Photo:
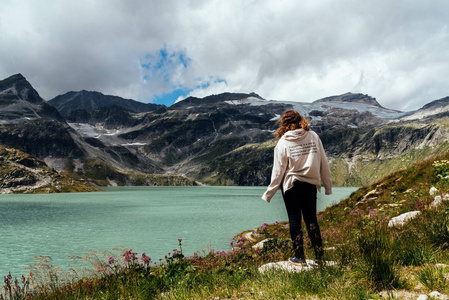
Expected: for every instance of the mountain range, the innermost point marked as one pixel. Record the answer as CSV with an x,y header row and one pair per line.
x,y
223,139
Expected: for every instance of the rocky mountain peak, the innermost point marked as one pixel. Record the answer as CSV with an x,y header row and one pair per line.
x,y
17,87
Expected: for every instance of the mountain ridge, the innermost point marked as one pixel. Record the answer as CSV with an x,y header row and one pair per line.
x,y
90,101
221,139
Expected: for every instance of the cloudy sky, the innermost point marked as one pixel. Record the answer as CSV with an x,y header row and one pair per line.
x,y
161,51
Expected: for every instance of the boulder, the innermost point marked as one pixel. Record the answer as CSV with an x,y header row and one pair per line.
x,y
433,190
436,202
259,245
289,267
438,295
402,219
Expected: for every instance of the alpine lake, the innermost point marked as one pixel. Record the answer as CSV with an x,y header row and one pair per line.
x,y
146,219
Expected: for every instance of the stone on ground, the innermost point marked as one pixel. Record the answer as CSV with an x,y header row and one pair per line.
x,y
289,267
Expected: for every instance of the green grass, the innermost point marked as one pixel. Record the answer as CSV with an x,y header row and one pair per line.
x,y
371,258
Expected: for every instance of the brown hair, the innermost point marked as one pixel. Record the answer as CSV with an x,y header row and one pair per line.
x,y
291,120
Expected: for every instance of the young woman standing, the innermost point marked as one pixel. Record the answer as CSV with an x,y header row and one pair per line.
x,y
299,166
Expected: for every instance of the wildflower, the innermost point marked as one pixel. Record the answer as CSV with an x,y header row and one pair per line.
x,y
231,244
111,260
129,256
355,212
372,213
180,240
102,268
264,226
239,244
145,259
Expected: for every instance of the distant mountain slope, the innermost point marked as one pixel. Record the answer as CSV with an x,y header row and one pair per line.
x,y
91,101
30,124
435,109
22,173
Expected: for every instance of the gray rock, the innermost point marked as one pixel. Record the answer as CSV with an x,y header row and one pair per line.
x,y
289,267
260,244
438,295
401,220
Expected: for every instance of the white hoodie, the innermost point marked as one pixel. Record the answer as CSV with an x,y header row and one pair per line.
x,y
299,155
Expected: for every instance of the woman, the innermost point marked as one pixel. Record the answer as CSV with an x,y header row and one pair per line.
x,y
299,164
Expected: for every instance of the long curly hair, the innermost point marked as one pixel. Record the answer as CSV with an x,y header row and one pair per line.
x,y
291,120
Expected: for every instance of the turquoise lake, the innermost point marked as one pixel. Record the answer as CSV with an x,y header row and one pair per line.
x,y
149,219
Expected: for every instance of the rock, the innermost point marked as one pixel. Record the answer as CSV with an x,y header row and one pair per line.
x,y
289,267
423,297
433,190
401,220
260,244
249,236
438,295
437,202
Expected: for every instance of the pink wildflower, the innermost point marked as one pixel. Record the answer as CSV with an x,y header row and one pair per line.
x,y
129,256
101,268
111,260
145,259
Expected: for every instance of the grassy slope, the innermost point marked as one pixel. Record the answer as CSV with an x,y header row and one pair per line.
x,y
373,260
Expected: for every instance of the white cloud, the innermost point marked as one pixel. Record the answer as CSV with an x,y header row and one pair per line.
x,y
396,51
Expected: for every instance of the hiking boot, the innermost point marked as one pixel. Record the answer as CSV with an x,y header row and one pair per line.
x,y
301,262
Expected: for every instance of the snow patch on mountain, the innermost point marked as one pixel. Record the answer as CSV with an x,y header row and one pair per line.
x,y
304,108
87,130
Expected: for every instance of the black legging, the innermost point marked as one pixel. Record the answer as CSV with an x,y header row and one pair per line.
x,y
300,202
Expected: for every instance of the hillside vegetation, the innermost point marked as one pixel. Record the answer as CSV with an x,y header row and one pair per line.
x,y
373,260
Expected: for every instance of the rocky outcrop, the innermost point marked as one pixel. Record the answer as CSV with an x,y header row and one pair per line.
x,y
22,173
